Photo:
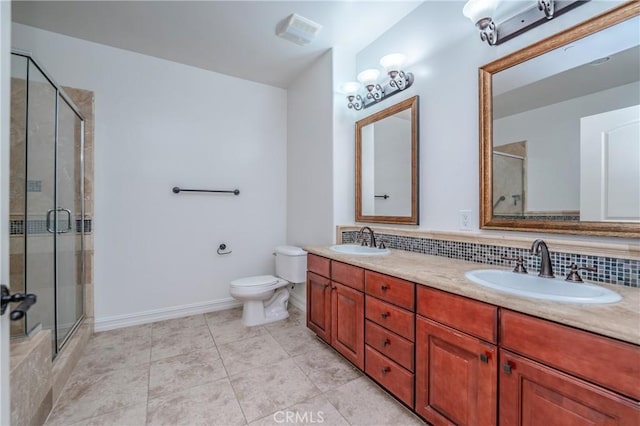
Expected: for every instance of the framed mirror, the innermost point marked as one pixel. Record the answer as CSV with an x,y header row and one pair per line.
x,y
560,131
387,165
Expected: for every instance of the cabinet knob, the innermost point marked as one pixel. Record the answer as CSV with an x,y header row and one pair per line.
x,y
384,287
508,366
386,342
485,357
384,315
385,370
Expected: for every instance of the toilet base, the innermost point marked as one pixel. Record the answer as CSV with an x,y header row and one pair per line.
x,y
258,312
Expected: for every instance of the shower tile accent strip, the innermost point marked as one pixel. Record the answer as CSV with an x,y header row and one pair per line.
x,y
610,270
38,226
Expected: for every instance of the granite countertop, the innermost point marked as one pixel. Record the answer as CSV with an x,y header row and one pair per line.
x,y
619,320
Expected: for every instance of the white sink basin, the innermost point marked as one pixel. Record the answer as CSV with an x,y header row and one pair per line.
x,y
358,250
555,289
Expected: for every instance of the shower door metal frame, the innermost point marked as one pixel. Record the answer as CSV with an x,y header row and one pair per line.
x,y
60,93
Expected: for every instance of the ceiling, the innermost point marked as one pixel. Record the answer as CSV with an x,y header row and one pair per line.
x,y
568,72
236,38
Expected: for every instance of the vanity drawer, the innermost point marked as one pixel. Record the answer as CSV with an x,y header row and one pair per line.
x,y
390,317
391,289
473,317
318,264
602,360
389,374
348,275
390,344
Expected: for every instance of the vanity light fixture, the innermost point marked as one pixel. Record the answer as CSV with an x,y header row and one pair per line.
x,y
485,13
369,91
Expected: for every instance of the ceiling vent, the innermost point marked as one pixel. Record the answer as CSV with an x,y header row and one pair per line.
x,y
298,29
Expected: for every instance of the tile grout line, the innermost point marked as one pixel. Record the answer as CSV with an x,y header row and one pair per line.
x,y
233,389
146,411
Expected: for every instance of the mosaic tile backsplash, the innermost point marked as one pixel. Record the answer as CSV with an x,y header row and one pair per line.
x,y
610,270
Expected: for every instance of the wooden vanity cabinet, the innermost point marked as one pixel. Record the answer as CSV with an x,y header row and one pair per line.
x,y
537,395
347,323
335,306
390,334
319,296
458,361
554,374
456,371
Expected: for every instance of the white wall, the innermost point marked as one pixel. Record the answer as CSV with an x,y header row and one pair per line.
x,y
393,166
310,156
320,153
447,83
552,149
161,124
344,68
309,159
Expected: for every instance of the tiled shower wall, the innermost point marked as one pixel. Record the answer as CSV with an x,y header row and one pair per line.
x,y
610,270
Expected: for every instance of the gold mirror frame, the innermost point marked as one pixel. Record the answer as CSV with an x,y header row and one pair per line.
x,y
487,220
412,104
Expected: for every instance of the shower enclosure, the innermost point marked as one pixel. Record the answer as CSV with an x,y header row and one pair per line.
x,y
46,201
508,184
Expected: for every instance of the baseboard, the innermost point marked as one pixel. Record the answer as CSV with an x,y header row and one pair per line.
x,y
297,301
138,318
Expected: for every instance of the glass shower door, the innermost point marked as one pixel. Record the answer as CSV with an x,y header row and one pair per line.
x,y
40,193
69,269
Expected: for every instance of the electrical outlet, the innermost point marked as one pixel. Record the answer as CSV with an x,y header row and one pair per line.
x,y
464,220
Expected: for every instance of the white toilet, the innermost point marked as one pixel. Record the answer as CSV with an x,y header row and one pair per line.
x,y
265,297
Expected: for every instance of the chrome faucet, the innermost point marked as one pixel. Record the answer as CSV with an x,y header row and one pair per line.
x,y
372,240
540,248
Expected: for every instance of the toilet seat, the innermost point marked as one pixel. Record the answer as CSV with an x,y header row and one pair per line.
x,y
258,282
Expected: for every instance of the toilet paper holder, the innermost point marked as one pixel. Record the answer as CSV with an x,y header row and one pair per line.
x,y
222,249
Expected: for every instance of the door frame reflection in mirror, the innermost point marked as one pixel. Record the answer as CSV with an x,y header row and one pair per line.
x,y
487,219
410,104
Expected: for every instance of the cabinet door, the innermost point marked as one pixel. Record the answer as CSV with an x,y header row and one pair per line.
x,y
532,394
347,323
319,305
456,376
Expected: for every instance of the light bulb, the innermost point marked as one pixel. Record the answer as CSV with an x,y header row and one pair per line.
x,y
350,87
477,10
369,77
393,62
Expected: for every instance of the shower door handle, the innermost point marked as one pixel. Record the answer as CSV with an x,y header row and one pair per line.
x,y
68,212
49,229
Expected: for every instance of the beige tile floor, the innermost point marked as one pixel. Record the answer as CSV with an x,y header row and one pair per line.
x,y
210,369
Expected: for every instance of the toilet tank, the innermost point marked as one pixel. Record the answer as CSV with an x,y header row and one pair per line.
x,y
291,264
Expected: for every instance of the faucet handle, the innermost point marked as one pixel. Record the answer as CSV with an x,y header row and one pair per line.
x,y
382,245
519,268
573,275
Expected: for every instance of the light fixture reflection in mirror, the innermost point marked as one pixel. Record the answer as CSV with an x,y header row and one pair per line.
x,y
560,124
387,165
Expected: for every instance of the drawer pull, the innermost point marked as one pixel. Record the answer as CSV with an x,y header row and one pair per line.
x,y
385,315
385,370
384,287
508,366
386,342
